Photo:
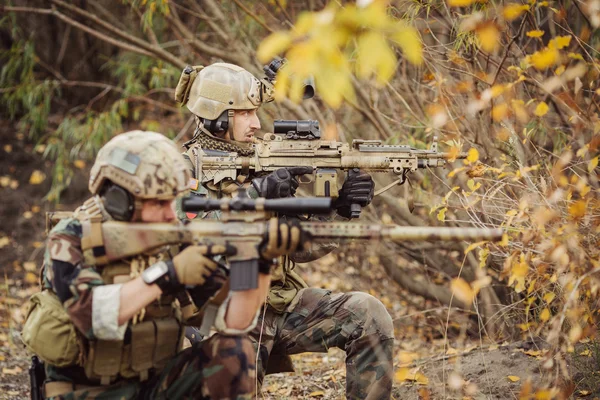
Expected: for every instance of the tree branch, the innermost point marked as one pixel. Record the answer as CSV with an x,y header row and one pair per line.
x,y
157,51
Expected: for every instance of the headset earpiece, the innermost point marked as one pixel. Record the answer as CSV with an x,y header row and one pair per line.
x,y
118,202
217,126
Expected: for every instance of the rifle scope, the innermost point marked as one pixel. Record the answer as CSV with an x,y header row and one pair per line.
x,y
297,129
288,206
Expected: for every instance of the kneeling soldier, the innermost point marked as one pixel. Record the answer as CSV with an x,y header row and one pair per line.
x,y
114,329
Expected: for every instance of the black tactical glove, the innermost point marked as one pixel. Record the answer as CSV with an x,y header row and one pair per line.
x,y
281,183
357,192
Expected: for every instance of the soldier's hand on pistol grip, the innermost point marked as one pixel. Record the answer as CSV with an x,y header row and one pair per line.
x,y
281,183
194,266
358,188
283,237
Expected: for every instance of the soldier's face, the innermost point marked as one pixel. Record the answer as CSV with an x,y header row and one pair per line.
x,y
245,124
158,210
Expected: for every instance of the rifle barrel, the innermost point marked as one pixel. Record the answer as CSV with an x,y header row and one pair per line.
x,y
349,230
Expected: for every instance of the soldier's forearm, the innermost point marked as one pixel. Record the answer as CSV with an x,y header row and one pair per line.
x,y
135,295
243,305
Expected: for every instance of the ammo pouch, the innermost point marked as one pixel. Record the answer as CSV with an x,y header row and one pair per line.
x,y
48,331
153,344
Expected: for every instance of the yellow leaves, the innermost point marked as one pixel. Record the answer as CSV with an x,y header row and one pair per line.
x,y
411,375
541,109
543,59
575,333
473,246
575,56
37,177
548,297
559,42
441,215
317,393
460,3
545,315
30,278
535,33
472,156
462,290
4,241
533,353
513,11
577,209
472,185
592,164
513,378
374,56
407,357
483,256
518,273
29,266
409,42
11,371
332,43
79,164
488,36
586,353
476,171
499,112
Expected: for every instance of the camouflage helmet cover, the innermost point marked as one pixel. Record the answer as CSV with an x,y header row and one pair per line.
x,y
220,87
147,164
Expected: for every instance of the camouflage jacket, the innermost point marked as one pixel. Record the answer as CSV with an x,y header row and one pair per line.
x,y
68,272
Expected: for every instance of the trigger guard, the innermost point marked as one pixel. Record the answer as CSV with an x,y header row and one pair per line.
x,y
306,178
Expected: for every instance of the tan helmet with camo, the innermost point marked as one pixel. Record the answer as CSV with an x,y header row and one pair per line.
x,y
146,165
213,93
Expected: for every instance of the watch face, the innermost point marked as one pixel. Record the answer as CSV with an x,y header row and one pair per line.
x,y
154,272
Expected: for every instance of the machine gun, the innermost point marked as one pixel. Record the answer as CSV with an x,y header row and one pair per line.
x,y
299,144
243,227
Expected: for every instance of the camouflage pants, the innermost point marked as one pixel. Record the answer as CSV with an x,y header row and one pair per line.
x,y
221,367
317,320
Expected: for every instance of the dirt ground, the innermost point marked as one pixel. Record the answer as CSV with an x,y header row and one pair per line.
x,y
465,368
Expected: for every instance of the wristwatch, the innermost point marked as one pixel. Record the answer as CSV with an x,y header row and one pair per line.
x,y
162,274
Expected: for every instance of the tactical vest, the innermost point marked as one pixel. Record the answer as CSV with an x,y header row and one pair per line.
x,y
155,334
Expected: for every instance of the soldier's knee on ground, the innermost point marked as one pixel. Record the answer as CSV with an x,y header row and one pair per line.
x,y
232,366
375,318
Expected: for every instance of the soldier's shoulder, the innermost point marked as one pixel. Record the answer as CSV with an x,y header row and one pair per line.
x,y
67,226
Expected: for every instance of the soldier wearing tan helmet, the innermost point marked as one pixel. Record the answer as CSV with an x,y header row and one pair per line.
x,y
115,328
224,99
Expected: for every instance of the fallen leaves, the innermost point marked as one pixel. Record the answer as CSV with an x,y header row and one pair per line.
x,y
513,378
411,375
37,177
11,371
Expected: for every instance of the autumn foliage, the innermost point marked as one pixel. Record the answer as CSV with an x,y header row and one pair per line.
x,y
513,83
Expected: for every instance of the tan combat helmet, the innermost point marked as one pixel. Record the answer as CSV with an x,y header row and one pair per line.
x,y
146,164
212,94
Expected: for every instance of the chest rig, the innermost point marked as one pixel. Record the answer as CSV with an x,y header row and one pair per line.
x,y
153,336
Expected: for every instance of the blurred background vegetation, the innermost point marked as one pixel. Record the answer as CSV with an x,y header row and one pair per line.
x,y
517,83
